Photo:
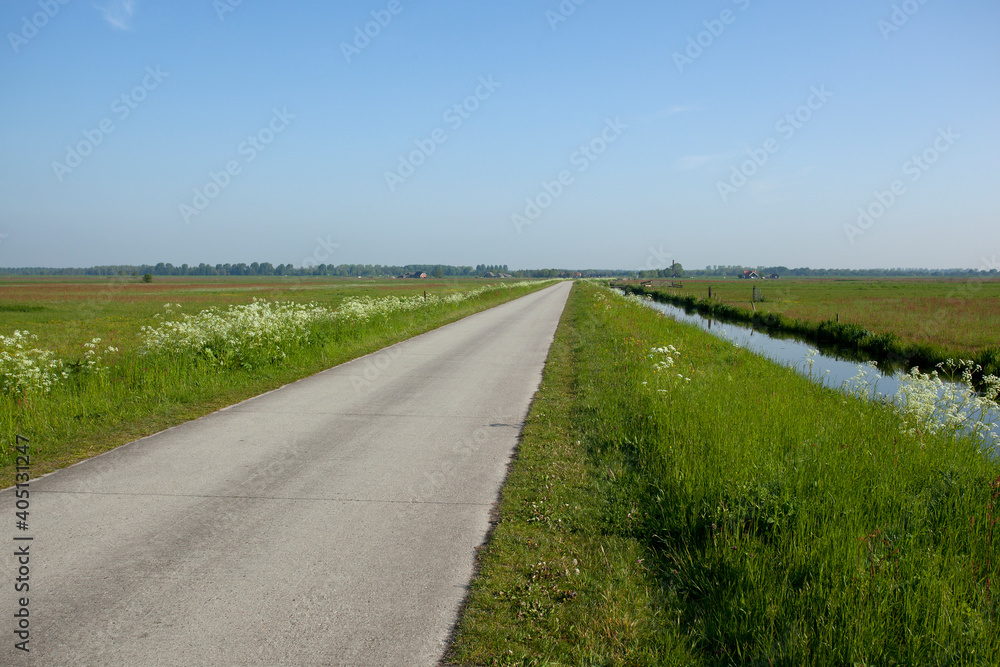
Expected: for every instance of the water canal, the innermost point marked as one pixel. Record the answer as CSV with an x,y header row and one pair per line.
x,y
826,366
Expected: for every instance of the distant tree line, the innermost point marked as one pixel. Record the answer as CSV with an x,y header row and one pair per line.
x,y
733,271
263,269
268,269
444,271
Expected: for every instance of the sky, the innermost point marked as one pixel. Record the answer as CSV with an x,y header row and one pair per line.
x,y
572,133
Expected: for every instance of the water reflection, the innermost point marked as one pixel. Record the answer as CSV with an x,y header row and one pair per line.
x,y
828,366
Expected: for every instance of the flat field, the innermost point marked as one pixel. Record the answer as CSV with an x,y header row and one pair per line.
x,y
75,396
958,316
677,500
67,312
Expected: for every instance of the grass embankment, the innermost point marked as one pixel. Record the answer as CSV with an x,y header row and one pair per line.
x,y
67,312
744,516
142,392
916,327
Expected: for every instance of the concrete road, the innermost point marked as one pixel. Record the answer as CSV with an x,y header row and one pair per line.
x,y
330,522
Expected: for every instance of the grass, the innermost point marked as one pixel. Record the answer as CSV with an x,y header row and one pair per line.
x,y
142,393
743,516
67,312
955,314
897,322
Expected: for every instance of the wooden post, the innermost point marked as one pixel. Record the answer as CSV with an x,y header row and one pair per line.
x,y
425,295
838,318
709,291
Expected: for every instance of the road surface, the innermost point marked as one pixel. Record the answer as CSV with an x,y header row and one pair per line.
x,y
330,522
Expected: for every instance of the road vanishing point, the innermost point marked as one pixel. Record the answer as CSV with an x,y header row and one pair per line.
x,y
333,521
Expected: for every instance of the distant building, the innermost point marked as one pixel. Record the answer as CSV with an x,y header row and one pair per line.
x,y
750,275
773,276
418,274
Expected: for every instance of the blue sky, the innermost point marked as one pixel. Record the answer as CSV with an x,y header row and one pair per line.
x,y
615,135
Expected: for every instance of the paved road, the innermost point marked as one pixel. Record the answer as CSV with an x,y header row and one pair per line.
x,y
330,522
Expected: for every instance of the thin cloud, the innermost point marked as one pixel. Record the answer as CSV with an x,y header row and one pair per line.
x,y
695,162
668,112
119,13
692,162
681,108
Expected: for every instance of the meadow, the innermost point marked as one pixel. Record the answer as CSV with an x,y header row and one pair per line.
x,y
89,364
917,321
678,500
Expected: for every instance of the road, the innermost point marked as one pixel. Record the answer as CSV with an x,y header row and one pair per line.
x,y
333,521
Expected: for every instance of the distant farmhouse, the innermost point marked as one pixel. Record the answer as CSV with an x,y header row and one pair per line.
x,y
753,275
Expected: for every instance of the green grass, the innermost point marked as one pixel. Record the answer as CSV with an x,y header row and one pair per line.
x,y
955,315
144,393
66,312
746,516
898,323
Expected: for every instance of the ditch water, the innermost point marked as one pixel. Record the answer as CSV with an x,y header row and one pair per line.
x,y
826,367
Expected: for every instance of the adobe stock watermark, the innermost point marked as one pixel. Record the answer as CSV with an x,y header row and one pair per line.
x,y
914,169
223,7
562,13
900,16
322,254
932,324
122,107
714,28
658,260
30,25
249,149
365,35
454,116
582,159
374,365
457,457
786,126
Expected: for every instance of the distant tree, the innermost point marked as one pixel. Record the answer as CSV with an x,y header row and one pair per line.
x,y
678,270
148,278
438,272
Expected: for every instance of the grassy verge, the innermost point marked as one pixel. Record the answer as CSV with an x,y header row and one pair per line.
x,y
141,394
724,510
885,347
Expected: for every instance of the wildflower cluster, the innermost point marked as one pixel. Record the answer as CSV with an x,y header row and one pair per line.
x,y
932,405
636,298
810,362
864,384
92,361
261,331
27,369
264,331
666,357
362,309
